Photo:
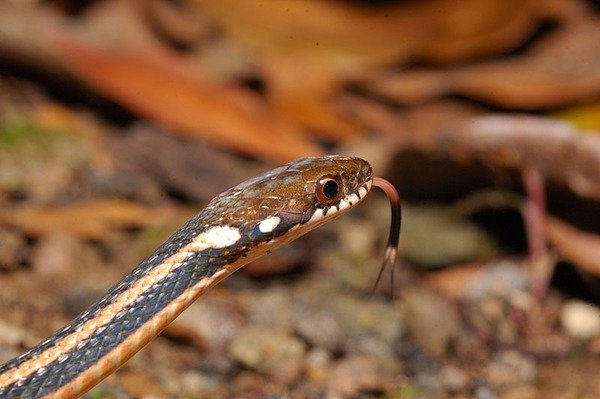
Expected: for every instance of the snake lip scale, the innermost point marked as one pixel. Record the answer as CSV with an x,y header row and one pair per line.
x,y
236,227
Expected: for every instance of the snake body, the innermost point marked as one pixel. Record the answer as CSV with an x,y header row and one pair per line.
x,y
236,227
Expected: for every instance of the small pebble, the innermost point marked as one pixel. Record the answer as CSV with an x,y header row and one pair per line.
x,y
494,297
510,369
499,279
195,382
453,379
318,363
141,385
209,325
432,321
318,325
353,374
525,392
337,321
580,319
273,308
483,392
275,353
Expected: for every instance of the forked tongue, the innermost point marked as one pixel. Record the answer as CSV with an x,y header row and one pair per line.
x,y
391,249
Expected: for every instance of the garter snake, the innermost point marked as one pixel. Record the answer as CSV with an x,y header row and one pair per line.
x,y
236,227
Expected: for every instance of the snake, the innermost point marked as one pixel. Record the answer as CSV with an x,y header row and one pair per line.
x,y
236,227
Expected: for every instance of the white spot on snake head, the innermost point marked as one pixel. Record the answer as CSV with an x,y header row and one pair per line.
x,y
216,237
268,225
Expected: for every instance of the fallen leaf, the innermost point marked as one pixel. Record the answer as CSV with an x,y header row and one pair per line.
x,y
30,46
189,168
561,69
94,219
307,49
148,78
556,148
451,281
176,22
347,34
583,116
580,248
163,91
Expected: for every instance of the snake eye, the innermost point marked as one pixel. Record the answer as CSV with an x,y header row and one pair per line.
x,y
329,190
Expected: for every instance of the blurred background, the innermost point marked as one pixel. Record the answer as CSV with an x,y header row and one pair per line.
x,y
121,119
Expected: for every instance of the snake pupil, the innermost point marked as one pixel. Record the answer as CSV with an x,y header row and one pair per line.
x,y
331,189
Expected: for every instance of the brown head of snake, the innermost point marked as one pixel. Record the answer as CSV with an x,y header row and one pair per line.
x,y
236,227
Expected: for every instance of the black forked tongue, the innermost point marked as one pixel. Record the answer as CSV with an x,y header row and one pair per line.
x,y
391,249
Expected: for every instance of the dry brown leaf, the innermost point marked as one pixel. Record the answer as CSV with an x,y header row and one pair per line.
x,y
563,68
452,281
576,246
188,168
28,31
148,78
120,24
559,150
24,36
176,23
163,91
308,48
347,34
303,91
94,219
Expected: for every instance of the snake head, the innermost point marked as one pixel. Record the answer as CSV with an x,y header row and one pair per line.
x,y
289,201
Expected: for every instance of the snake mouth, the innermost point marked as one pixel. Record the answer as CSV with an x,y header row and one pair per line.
x,y
352,198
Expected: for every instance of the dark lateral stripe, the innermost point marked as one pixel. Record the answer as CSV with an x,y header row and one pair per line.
x,y
62,371
171,247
